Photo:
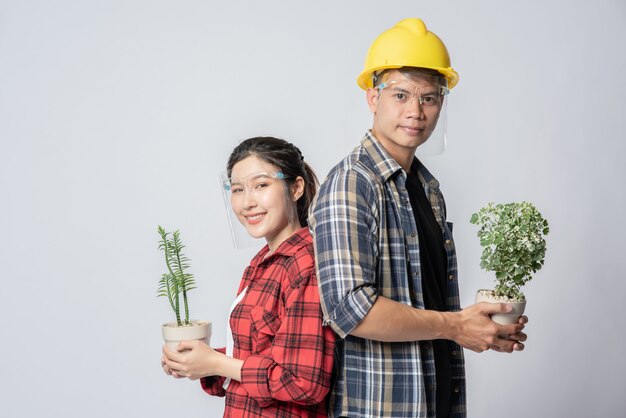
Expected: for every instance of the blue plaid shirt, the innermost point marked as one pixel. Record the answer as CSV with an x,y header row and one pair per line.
x,y
366,245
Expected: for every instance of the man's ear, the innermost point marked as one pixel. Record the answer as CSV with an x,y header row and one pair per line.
x,y
297,188
373,96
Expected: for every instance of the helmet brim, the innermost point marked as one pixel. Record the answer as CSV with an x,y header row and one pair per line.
x,y
364,80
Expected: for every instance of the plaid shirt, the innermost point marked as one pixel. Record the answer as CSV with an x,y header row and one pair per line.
x,y
278,333
366,245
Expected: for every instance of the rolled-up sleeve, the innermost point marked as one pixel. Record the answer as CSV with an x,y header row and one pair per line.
x,y
213,385
343,221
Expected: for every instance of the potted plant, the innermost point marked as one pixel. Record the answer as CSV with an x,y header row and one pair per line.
x,y
512,237
175,284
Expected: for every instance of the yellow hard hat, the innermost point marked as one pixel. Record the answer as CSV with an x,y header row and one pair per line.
x,y
407,44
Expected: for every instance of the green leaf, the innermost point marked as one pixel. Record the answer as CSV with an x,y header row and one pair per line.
x,y
177,280
511,235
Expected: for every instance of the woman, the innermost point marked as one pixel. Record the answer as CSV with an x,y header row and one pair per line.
x,y
281,359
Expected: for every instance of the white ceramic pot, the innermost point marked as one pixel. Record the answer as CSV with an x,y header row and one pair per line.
x,y
486,295
198,330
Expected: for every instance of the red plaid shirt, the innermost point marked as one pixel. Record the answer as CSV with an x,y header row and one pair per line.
x,y
277,332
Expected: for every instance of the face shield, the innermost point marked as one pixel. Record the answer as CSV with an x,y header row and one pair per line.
x,y
247,200
430,93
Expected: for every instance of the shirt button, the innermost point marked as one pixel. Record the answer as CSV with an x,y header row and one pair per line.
x,y
454,352
451,277
448,242
413,234
415,274
456,390
432,387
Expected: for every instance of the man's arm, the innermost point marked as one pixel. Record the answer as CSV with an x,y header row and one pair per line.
x,y
471,328
344,221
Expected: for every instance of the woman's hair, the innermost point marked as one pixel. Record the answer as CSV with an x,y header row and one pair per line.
x,y
287,158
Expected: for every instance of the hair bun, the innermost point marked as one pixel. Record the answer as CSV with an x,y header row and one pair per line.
x,y
298,151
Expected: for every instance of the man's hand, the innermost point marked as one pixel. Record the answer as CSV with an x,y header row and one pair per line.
x,y
474,329
519,337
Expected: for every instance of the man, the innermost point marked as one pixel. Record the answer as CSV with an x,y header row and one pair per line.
x,y
384,252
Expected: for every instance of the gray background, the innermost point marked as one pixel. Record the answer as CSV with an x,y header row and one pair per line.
x,y
116,116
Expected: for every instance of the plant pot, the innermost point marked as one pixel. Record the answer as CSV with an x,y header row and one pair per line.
x,y
173,334
487,295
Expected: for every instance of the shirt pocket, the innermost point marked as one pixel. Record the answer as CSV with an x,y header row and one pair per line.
x,y
263,327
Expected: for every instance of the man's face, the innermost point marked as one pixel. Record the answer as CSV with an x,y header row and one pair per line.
x,y
406,110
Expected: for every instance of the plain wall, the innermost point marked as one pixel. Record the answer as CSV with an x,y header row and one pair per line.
x,y
117,116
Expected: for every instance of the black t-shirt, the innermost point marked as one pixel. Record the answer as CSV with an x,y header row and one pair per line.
x,y
434,266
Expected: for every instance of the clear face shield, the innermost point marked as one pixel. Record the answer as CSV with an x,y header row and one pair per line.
x,y
430,92
247,200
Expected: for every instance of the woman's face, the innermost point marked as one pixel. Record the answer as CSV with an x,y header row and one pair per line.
x,y
260,202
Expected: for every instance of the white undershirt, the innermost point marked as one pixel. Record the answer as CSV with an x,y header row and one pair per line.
x,y
230,343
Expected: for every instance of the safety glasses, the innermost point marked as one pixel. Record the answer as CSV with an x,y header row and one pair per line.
x,y
251,184
403,92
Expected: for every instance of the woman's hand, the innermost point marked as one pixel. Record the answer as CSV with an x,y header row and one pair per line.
x,y
193,360
165,367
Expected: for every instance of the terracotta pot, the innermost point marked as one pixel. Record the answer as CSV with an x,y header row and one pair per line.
x,y
198,330
487,295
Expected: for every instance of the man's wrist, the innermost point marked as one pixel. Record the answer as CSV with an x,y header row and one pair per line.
x,y
449,326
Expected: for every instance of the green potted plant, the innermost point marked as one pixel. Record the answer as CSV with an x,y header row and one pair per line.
x,y
174,285
512,237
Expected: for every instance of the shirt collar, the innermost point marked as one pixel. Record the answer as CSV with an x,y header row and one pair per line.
x,y
287,248
387,166
426,178
383,162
